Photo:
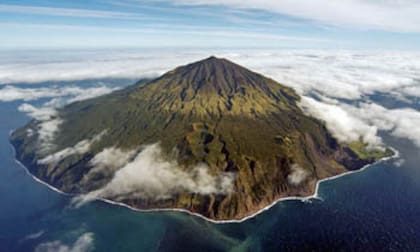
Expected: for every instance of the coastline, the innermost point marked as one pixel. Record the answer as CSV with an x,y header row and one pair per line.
x,y
303,199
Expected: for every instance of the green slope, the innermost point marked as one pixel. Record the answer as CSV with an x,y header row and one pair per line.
x,y
211,111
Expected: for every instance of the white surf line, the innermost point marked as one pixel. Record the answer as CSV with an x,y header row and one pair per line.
x,y
304,199
33,176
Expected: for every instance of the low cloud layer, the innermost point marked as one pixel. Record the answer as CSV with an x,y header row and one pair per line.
x,y
75,93
84,243
150,176
41,66
47,126
297,175
80,148
112,158
46,115
403,123
340,74
108,161
363,120
40,114
345,126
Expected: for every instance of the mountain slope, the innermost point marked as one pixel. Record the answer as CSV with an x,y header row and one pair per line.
x,y
214,113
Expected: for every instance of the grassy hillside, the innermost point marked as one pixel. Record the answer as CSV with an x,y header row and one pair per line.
x,y
213,112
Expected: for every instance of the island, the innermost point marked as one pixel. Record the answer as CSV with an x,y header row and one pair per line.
x,y
211,137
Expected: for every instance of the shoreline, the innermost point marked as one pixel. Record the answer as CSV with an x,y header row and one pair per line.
x,y
303,199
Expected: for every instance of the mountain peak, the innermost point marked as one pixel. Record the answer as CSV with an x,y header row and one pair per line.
x,y
214,86
214,74
214,62
213,59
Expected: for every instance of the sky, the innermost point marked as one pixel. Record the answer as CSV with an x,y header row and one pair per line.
x,y
313,24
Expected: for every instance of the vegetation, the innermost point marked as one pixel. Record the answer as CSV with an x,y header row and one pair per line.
x,y
212,111
365,152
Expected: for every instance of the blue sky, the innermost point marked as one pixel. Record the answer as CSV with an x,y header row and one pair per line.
x,y
344,24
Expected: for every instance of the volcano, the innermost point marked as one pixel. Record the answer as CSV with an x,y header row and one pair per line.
x,y
210,137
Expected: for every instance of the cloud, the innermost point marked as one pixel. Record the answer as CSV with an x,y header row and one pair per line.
x,y
67,12
108,161
80,148
345,126
40,114
297,175
13,93
81,65
47,116
413,91
81,94
362,120
402,123
84,243
47,126
150,176
400,16
340,74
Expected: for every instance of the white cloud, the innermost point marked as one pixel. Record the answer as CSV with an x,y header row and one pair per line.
x,y
401,16
341,74
150,176
13,93
75,65
403,123
81,94
47,131
40,114
108,161
344,126
411,90
47,117
84,243
80,148
351,75
297,175
66,12
47,126
363,120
